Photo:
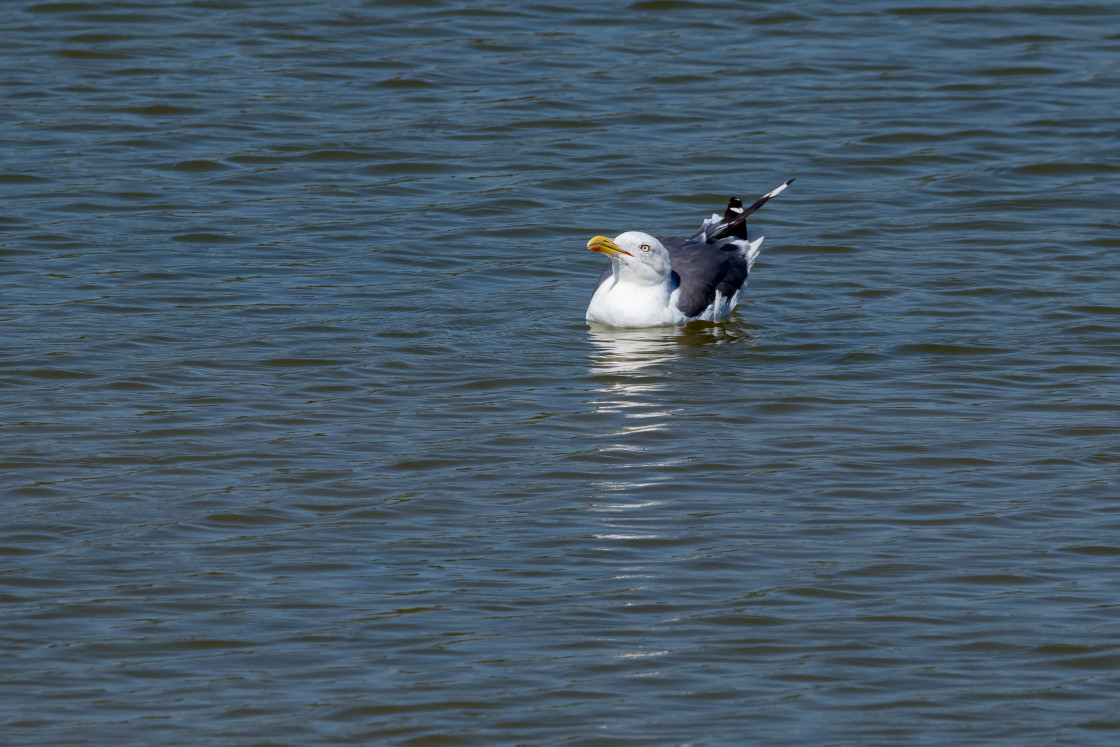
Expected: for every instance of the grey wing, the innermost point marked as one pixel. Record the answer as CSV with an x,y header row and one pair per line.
x,y
702,270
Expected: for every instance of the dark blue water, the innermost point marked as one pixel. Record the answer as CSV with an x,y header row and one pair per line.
x,y
303,438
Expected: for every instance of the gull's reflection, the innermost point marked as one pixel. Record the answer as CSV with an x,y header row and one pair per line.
x,y
631,351
642,379
638,371
628,351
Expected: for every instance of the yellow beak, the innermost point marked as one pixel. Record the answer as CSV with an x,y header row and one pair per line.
x,y
606,246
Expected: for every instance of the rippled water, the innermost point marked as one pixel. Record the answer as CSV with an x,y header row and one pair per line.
x,y
305,440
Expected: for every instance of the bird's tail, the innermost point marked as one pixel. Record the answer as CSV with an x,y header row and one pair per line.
x,y
751,248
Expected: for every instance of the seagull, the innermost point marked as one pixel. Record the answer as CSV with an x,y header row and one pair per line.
x,y
674,280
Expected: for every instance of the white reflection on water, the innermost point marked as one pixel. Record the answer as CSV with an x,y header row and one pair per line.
x,y
638,373
628,351
638,365
636,370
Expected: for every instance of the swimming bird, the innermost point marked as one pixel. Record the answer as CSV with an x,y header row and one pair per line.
x,y
674,280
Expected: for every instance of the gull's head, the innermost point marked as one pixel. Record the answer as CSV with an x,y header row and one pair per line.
x,y
635,255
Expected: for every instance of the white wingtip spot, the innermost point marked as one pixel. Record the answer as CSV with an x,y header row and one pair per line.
x,y
777,191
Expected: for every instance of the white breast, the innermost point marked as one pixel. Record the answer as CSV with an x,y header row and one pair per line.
x,y
623,304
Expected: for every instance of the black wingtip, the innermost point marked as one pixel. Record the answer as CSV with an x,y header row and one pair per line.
x,y
735,217
734,208
733,211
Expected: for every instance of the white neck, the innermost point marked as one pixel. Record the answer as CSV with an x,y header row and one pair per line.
x,y
638,274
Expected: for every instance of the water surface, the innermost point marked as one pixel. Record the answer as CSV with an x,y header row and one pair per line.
x,y
304,438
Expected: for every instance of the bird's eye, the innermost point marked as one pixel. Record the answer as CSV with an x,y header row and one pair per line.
x,y
644,247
